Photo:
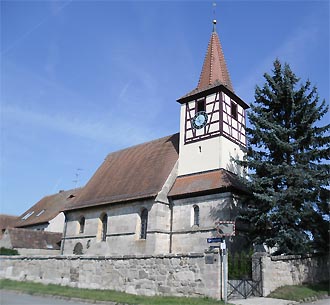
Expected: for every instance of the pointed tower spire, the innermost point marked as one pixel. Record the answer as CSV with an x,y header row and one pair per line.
x,y
214,69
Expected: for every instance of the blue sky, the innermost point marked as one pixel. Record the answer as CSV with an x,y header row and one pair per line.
x,y
80,79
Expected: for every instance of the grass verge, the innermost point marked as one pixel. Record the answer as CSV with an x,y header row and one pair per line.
x,y
101,295
298,293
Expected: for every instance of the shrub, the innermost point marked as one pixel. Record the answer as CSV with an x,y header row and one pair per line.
x,y
240,265
6,251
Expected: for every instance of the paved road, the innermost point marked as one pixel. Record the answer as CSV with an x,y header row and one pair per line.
x,y
261,301
12,298
270,301
319,302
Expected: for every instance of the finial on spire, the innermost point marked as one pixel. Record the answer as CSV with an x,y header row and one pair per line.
x,y
214,25
214,69
214,20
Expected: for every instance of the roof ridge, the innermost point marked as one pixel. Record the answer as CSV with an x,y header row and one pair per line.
x,y
141,144
58,193
8,215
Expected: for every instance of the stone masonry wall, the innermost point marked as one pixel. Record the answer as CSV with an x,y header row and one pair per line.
x,y
178,275
277,271
123,230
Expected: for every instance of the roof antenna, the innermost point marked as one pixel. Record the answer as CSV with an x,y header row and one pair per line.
x,y
78,170
214,20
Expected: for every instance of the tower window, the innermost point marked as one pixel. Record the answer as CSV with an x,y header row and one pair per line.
x,y
200,105
234,110
104,220
196,215
144,224
82,224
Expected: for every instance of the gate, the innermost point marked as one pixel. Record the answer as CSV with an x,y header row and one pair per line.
x,y
244,276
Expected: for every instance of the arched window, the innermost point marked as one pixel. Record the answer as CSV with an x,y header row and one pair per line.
x,y
104,220
144,224
196,215
82,224
78,249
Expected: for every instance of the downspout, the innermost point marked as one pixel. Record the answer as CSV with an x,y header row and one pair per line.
x,y
171,224
64,233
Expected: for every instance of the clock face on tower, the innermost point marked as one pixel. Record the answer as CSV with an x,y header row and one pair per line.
x,y
199,120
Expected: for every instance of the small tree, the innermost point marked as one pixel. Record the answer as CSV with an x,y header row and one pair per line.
x,y
288,165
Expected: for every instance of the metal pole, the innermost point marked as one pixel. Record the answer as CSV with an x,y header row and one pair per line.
x,y
64,233
220,272
261,278
225,273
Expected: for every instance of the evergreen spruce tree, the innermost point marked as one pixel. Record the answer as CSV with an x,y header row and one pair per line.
x,y
288,165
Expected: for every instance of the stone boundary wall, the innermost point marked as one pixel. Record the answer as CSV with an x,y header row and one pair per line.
x,y
195,274
277,271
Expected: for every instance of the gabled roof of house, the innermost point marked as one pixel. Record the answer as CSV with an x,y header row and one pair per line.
x,y
32,239
46,209
206,183
138,172
7,221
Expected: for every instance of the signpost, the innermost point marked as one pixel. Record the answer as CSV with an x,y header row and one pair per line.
x,y
214,240
223,228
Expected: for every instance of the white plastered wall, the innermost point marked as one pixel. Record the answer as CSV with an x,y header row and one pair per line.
x,y
199,156
56,224
210,154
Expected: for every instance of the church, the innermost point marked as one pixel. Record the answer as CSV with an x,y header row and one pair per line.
x,y
167,195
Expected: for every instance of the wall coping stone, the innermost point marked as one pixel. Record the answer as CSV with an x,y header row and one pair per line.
x,y
259,254
287,257
94,257
295,257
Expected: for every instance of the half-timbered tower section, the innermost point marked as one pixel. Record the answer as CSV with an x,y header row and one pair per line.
x,y
219,139
224,116
212,123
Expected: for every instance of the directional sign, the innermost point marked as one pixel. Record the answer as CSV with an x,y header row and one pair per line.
x,y
214,240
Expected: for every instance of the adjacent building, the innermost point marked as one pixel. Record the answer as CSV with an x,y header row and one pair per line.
x,y
6,221
47,214
31,242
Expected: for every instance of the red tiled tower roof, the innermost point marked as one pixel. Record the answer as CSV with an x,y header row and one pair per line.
x,y
214,68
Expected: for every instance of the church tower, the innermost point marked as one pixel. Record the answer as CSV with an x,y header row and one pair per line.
x,y
212,122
